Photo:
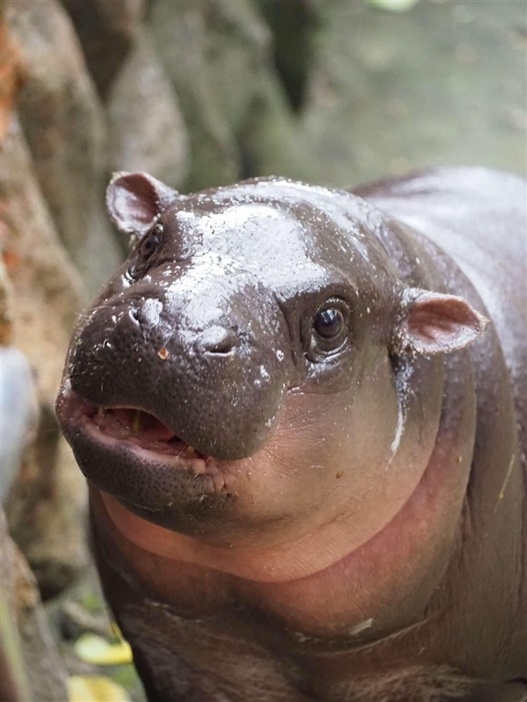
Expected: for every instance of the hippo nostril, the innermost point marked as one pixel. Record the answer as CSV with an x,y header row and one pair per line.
x,y
218,340
134,316
146,312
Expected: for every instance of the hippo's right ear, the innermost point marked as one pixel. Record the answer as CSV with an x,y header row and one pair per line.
x,y
430,323
134,201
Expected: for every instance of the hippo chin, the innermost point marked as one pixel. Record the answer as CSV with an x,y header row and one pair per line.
x,y
305,442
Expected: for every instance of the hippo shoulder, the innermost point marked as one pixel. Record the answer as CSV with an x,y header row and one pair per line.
x,y
479,207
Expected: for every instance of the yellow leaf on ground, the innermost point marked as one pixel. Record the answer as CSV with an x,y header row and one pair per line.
x,y
96,650
95,688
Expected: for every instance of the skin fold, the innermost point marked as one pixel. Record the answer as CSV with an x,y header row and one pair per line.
x,y
302,416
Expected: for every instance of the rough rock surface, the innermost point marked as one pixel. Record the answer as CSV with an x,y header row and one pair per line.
x,y
441,84
31,655
48,498
295,27
11,75
143,95
65,129
218,55
107,30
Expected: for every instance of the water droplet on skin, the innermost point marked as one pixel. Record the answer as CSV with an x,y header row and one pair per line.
x,y
361,626
280,355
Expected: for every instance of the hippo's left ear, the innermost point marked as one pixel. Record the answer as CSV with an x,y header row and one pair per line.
x,y
134,201
431,323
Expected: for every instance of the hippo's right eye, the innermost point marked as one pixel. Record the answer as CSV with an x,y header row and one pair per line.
x,y
146,248
328,322
329,328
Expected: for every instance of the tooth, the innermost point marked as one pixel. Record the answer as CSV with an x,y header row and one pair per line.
x,y
100,412
136,422
191,450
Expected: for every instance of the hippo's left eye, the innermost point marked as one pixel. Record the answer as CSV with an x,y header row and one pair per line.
x,y
146,248
329,328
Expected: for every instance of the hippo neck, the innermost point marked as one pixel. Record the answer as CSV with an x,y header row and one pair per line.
x,y
489,463
300,609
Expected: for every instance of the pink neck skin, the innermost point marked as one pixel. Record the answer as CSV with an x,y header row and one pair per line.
x,y
331,544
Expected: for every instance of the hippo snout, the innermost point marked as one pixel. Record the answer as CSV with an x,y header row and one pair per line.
x,y
217,382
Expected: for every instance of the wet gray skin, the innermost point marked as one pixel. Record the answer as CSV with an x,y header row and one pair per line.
x,y
284,378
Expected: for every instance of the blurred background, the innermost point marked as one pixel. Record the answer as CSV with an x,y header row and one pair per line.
x,y
198,93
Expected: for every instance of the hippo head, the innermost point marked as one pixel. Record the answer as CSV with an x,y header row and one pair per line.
x,y
236,381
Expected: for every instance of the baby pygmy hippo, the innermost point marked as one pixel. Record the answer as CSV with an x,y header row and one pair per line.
x,y
305,442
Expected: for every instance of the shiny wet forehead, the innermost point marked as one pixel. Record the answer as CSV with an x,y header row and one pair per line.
x,y
279,243
253,237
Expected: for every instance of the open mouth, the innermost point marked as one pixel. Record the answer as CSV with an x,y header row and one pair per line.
x,y
135,426
132,455
127,427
